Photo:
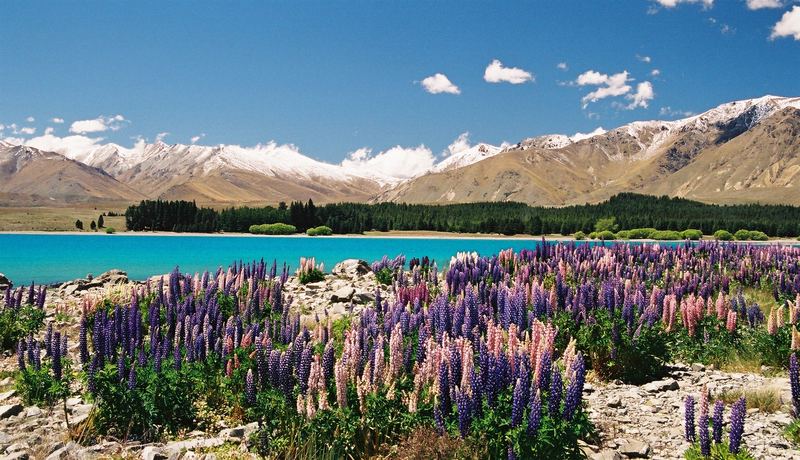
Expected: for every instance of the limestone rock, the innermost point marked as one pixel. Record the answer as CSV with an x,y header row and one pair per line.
x,y
634,448
350,268
343,294
661,385
10,410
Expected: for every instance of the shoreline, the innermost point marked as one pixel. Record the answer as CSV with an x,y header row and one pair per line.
x,y
398,234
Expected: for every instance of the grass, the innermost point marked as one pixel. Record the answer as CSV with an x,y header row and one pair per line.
x,y
766,400
57,219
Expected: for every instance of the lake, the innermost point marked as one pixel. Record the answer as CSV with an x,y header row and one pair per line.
x,y
51,258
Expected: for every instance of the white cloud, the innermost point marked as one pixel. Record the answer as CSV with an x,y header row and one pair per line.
x,y
673,3
194,139
397,163
759,4
670,112
68,145
655,72
608,85
28,130
642,97
645,59
439,83
98,124
160,136
30,119
459,145
789,25
57,120
562,66
496,72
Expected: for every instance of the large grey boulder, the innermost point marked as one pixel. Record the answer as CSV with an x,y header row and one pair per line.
x,y
350,268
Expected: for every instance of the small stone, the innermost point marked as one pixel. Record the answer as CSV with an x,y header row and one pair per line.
x,y
17,447
153,453
343,294
606,454
63,452
698,367
10,410
661,385
634,448
7,394
614,402
33,411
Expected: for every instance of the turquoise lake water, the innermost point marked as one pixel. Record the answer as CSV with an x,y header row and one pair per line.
x,y
46,259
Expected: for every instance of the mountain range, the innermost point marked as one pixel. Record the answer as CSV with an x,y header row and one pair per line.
x,y
738,152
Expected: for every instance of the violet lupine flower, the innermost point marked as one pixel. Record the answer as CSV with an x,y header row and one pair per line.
x,y
444,388
438,419
554,398
716,421
575,388
689,433
544,371
82,342
738,411
517,404
794,380
132,377
21,355
464,405
705,441
535,414
250,388
56,361
328,359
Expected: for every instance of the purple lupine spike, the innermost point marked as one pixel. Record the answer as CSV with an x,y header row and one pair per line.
x,y
121,371
328,361
738,411
716,421
64,345
132,377
517,404
794,380
438,419
511,454
705,441
82,342
534,414
444,388
575,389
250,388
304,369
688,419
544,372
464,406
56,359
554,398
21,355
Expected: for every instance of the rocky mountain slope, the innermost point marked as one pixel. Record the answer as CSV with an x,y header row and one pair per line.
x,y
743,151
31,176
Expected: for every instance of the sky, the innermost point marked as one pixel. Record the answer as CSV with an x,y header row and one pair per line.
x,y
358,78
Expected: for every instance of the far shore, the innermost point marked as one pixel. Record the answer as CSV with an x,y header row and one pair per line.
x,y
408,234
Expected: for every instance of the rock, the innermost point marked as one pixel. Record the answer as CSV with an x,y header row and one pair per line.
x,y
63,452
698,367
21,455
7,394
33,411
661,385
153,453
198,443
17,447
615,402
5,283
606,454
363,297
634,448
349,268
236,432
10,410
343,294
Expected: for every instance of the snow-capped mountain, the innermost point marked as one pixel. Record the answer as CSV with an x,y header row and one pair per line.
x,y
468,156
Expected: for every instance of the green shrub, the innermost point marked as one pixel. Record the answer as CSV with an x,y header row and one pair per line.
x,y
111,230
606,224
666,235
322,230
579,235
641,233
723,235
273,229
160,402
39,387
311,276
756,235
692,234
750,235
719,451
623,235
593,235
606,235
18,323
385,276
792,432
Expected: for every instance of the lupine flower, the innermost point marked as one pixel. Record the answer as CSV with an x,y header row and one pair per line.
x,y
738,411
794,381
554,398
689,433
534,414
575,388
517,405
716,421
464,406
250,388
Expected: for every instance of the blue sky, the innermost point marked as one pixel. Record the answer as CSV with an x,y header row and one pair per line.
x,y
332,77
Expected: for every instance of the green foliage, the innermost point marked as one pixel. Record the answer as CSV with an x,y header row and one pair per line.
x,y
160,403
710,344
322,230
579,235
666,235
593,235
723,235
606,224
111,230
750,235
718,452
273,229
792,432
17,323
79,224
692,234
40,387
641,233
311,276
385,276
623,235
606,235
612,351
